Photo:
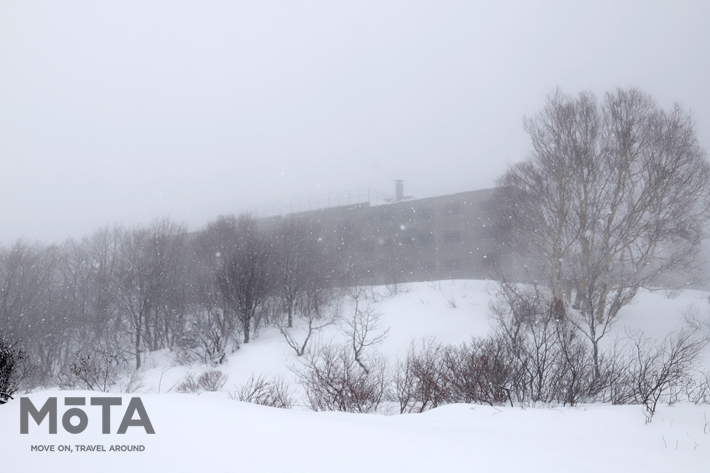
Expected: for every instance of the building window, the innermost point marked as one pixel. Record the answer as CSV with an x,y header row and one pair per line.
x,y
452,236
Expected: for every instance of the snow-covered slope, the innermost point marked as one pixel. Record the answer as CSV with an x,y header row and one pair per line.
x,y
209,432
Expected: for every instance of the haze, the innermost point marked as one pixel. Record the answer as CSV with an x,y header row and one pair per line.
x,y
123,112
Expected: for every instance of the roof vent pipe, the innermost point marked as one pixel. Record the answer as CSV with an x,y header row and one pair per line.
x,y
399,190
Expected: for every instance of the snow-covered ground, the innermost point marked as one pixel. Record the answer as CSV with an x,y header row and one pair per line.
x,y
210,432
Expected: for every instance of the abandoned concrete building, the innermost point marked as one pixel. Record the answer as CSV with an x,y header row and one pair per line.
x,y
383,241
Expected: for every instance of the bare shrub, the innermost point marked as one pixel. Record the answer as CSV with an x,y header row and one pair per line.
x,y
212,335
658,369
132,384
576,377
540,354
693,319
94,371
273,393
528,325
697,390
612,382
212,380
395,288
481,371
333,380
188,384
11,359
420,379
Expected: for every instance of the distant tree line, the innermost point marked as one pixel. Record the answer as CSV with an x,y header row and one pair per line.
x,y
112,297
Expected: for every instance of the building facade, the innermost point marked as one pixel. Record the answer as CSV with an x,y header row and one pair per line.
x,y
445,237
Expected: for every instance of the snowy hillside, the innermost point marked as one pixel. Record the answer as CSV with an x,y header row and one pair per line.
x,y
208,431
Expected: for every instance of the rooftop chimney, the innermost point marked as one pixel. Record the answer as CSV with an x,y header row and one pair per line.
x,y
399,190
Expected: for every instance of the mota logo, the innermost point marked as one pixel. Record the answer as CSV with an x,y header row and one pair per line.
x,y
135,406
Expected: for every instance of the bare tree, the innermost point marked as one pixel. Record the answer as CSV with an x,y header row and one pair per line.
x,y
614,198
147,287
364,327
88,276
213,329
88,279
318,308
294,265
312,327
32,308
246,278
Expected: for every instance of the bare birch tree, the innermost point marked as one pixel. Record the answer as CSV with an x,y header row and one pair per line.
x,y
614,197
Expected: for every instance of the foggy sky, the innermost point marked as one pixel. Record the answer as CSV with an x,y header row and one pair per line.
x,y
126,111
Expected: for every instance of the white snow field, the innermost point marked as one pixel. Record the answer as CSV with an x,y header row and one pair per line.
x,y
210,432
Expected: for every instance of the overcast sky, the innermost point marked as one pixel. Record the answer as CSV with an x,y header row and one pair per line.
x,y
125,111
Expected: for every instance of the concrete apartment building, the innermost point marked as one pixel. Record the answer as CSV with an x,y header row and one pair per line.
x,y
379,242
